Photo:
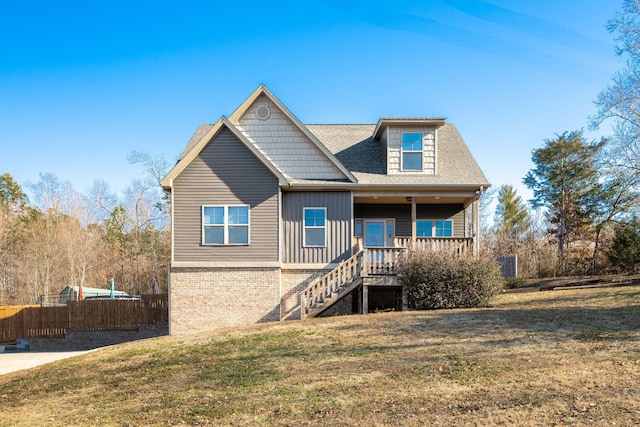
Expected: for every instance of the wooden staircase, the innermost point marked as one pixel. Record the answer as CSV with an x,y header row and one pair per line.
x,y
331,287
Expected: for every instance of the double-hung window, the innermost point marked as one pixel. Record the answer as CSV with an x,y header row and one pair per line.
x,y
437,228
315,227
411,151
225,225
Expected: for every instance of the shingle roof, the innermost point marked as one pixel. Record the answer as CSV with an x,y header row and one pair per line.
x,y
197,135
201,138
325,156
365,157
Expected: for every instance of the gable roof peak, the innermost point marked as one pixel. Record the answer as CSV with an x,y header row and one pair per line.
x,y
261,90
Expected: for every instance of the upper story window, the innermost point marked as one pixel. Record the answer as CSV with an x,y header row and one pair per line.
x,y
315,226
437,228
225,225
412,151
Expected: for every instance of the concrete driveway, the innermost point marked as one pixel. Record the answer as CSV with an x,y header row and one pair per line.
x,y
18,360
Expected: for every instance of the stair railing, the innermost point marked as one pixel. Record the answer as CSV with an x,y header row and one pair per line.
x,y
331,283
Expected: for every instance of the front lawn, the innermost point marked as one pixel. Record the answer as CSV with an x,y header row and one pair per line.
x,y
567,357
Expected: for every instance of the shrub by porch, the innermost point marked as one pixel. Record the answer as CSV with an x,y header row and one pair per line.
x,y
437,280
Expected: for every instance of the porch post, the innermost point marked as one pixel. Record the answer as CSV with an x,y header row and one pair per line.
x,y
413,221
365,299
476,228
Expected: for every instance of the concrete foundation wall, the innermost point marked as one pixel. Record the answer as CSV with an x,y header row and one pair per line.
x,y
88,340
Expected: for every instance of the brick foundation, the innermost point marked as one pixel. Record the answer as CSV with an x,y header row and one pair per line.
x,y
208,298
293,282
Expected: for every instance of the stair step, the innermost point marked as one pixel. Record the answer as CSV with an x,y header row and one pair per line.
x,y
329,289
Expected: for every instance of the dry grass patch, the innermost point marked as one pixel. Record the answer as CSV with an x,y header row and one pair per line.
x,y
563,358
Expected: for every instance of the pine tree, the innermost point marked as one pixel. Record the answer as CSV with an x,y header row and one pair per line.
x,y
512,220
566,182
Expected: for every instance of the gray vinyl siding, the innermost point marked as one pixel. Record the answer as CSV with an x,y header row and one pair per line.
x,y
338,233
225,173
402,215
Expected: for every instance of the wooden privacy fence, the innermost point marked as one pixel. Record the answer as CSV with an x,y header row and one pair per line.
x,y
90,315
11,320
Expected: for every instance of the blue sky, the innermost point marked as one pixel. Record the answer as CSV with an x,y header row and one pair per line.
x,y
82,84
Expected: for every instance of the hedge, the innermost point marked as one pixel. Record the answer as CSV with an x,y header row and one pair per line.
x,y
437,280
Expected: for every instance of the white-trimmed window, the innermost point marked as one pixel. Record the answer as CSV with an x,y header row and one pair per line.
x,y
359,228
225,225
437,228
412,151
315,227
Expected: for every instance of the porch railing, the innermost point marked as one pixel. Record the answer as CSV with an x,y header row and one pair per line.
x,y
335,284
381,260
453,245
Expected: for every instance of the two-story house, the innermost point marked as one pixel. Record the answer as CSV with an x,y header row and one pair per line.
x,y
273,219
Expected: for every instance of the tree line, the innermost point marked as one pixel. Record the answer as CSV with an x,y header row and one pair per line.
x,y
583,215
60,237
583,218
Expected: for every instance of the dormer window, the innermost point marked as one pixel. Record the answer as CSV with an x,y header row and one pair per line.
x,y
412,152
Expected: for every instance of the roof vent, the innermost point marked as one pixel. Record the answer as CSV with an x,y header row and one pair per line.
x,y
263,112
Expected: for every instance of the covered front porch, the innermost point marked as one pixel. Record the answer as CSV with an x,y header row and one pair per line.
x,y
385,227
435,221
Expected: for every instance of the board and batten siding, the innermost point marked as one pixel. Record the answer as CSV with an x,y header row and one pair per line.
x,y
402,215
338,231
225,173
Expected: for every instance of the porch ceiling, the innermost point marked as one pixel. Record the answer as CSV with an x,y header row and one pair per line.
x,y
427,200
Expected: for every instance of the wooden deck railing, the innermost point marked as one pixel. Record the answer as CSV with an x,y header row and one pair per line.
x,y
381,260
331,283
367,262
453,245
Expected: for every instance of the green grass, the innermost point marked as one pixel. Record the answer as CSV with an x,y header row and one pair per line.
x,y
545,358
